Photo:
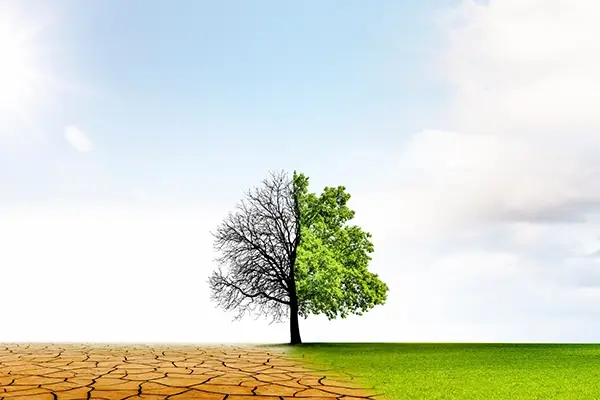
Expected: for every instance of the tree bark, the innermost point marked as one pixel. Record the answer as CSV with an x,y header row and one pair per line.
x,y
294,325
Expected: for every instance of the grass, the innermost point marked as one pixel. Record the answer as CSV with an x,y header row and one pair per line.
x,y
465,371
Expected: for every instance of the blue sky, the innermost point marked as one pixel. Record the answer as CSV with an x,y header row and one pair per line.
x,y
184,89
465,131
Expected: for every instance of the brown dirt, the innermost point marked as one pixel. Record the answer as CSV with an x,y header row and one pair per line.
x,y
177,372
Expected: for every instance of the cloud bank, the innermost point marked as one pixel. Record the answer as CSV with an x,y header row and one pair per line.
x,y
504,201
525,131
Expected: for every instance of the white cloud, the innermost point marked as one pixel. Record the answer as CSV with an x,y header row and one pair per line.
x,y
525,127
528,67
77,139
499,210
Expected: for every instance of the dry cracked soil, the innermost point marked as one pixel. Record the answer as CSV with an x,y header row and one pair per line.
x,y
111,372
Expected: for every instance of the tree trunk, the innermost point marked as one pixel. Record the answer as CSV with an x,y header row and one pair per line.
x,y
294,326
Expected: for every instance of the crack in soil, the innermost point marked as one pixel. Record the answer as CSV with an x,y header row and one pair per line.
x,y
161,372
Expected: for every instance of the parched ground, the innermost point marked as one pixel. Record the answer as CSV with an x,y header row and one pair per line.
x,y
97,371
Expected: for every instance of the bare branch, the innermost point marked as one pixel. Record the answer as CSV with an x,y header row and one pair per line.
x,y
257,245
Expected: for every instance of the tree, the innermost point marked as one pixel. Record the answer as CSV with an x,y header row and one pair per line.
x,y
288,252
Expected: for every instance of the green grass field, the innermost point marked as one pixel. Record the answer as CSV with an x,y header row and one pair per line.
x,y
465,371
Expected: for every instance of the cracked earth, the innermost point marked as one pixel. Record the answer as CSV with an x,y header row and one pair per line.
x,y
111,372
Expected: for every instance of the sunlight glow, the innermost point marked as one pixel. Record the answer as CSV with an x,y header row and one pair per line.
x,y
22,77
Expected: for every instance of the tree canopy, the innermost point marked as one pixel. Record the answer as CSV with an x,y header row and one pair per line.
x,y
287,252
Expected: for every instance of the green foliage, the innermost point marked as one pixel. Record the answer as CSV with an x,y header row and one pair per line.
x,y
332,257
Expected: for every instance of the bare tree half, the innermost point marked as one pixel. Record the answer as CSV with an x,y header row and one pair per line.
x,y
257,245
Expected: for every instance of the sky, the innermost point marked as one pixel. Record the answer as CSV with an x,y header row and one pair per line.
x,y
466,131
